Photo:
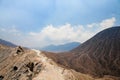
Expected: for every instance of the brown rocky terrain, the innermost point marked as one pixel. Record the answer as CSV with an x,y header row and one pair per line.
x,y
25,64
100,55
96,59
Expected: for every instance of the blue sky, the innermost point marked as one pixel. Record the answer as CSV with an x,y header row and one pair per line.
x,y
23,18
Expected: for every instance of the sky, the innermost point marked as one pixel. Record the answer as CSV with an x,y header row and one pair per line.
x,y
38,23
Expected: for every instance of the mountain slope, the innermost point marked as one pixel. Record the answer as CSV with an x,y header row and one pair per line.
x,y
61,48
99,56
7,43
102,53
25,64
96,59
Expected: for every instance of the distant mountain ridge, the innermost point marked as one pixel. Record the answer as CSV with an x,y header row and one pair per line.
x,y
7,43
61,48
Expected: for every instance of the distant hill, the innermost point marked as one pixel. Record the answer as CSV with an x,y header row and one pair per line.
x,y
7,43
61,48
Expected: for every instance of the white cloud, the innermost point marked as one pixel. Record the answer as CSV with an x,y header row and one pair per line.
x,y
107,23
91,25
58,34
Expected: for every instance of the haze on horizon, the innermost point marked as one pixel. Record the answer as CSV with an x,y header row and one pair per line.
x,y
39,23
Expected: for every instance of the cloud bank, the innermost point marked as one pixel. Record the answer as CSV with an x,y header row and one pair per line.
x,y
55,34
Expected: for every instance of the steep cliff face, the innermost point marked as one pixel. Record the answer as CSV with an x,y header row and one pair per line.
x,y
99,56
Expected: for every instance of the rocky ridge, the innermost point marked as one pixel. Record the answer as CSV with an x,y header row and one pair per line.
x,y
25,64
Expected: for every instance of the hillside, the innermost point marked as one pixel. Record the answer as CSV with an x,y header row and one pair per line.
x,y
99,56
25,64
7,43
